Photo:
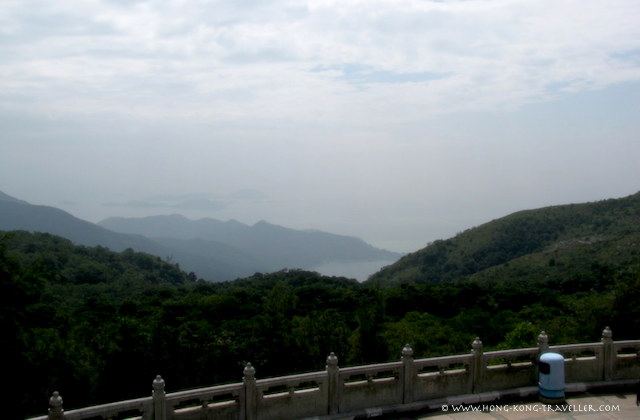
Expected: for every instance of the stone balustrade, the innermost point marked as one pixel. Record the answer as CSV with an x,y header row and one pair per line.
x,y
370,389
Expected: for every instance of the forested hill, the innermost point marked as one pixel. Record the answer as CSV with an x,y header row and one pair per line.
x,y
56,261
98,325
561,243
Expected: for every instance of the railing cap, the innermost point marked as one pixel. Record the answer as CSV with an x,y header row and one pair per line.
x,y
332,360
55,402
607,334
158,384
477,344
543,339
249,372
407,351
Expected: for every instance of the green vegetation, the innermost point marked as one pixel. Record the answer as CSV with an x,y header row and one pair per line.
x,y
98,325
560,241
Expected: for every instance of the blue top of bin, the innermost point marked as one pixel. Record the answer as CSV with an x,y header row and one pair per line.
x,y
552,358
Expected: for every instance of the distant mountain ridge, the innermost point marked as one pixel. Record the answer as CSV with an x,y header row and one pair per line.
x,y
264,241
213,250
565,241
20,215
5,197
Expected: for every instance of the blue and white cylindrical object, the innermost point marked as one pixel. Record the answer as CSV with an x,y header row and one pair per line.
x,y
551,377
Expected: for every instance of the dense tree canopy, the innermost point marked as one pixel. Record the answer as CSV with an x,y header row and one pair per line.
x,y
98,326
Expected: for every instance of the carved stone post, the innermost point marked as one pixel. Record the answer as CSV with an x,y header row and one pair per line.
x,y
56,412
543,343
608,354
477,366
250,393
408,374
333,384
543,347
159,399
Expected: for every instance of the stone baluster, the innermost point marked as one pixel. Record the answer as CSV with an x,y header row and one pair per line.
x,y
543,347
408,373
477,366
333,384
250,393
159,399
56,412
543,343
608,354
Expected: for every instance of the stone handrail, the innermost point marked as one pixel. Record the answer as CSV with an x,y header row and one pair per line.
x,y
220,398
141,405
337,392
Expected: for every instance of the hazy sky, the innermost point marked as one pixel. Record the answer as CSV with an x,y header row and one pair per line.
x,y
397,121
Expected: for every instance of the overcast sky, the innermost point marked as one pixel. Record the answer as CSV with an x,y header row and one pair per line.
x,y
397,121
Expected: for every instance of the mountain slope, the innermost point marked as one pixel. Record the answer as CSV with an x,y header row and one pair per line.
x,y
221,262
276,246
6,197
522,238
213,250
20,215
64,262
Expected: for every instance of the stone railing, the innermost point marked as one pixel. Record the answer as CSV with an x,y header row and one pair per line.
x,y
372,390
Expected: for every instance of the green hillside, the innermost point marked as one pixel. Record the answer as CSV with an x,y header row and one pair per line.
x,y
562,243
98,325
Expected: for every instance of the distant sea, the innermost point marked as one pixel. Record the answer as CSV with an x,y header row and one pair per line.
x,y
359,270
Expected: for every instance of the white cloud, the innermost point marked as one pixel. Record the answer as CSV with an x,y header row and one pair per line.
x,y
230,60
